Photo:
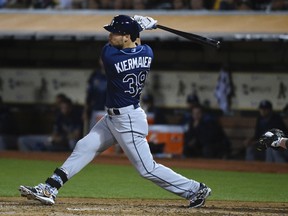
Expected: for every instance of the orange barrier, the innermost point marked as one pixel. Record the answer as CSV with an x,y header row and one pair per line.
x,y
172,136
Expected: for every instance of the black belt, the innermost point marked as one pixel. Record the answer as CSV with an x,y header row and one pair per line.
x,y
113,111
116,111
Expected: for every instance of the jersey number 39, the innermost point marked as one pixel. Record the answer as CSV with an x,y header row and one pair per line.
x,y
136,83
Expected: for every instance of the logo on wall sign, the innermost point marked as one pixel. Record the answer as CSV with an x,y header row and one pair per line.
x,y
202,87
181,88
246,89
64,84
13,83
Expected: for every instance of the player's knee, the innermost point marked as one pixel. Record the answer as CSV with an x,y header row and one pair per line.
x,y
144,173
147,169
90,142
83,146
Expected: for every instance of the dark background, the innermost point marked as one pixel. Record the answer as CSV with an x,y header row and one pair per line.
x,y
243,55
174,54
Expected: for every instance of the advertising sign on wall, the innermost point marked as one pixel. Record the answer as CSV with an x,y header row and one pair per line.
x,y
170,89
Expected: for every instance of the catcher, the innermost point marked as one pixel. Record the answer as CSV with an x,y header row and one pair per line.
x,y
273,138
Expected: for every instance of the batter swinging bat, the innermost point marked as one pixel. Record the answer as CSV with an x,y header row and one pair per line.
x,y
193,37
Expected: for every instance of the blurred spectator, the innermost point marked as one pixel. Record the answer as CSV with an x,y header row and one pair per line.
x,y
104,4
265,5
159,4
205,136
100,4
208,4
148,103
179,5
58,100
260,4
266,120
154,115
233,5
95,95
138,4
67,130
150,4
278,5
3,3
68,127
192,100
197,4
65,4
6,125
118,5
224,5
284,112
80,4
128,4
43,4
244,5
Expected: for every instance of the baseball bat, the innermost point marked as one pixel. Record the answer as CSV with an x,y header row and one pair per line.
x,y
193,37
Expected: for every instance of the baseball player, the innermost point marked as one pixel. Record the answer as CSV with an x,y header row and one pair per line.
x,y
127,64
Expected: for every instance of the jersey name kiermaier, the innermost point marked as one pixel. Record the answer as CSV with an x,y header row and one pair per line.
x,y
126,72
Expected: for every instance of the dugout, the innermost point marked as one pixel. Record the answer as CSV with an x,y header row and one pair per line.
x,y
252,42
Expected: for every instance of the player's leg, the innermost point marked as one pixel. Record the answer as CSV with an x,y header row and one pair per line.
x,y
95,142
131,131
98,140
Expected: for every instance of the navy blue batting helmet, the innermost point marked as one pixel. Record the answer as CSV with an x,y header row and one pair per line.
x,y
123,24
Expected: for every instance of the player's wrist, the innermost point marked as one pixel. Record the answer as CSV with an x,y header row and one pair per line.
x,y
280,142
285,142
146,23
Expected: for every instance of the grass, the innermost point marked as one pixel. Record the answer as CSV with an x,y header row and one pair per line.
x,y
113,181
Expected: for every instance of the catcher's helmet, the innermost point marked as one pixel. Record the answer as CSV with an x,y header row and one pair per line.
x,y
123,24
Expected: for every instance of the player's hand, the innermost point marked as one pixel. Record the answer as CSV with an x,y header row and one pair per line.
x,y
271,138
146,23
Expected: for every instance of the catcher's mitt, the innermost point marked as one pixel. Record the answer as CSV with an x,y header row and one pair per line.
x,y
270,139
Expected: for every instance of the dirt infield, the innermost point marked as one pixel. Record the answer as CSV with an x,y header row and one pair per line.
x,y
85,206
68,206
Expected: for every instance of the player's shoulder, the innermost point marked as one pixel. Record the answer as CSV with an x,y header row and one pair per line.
x,y
106,47
147,48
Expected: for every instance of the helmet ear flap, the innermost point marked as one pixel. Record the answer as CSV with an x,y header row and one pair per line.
x,y
134,36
